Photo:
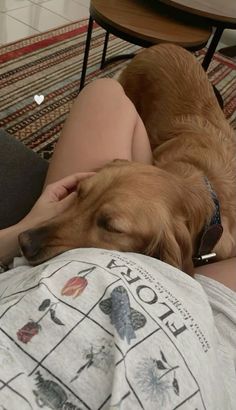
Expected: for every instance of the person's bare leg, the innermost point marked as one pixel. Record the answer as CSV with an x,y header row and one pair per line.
x,y
223,272
103,125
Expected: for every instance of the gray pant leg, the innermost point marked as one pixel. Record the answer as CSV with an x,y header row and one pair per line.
x,y
22,175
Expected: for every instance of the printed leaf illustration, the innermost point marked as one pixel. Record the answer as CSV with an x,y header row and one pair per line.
x,y
44,305
125,319
119,403
175,386
138,320
163,357
54,318
120,314
160,365
105,306
86,271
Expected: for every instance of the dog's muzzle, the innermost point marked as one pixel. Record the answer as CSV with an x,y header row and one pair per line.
x,y
32,242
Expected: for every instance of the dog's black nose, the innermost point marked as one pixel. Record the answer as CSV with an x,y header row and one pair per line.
x,y
31,242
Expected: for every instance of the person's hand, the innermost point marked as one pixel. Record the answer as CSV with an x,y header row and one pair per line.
x,y
55,199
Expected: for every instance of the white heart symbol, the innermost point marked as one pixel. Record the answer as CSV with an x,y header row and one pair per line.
x,y
39,99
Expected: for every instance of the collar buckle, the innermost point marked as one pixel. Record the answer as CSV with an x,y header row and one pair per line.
x,y
211,234
201,259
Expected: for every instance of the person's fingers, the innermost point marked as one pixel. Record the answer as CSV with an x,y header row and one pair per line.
x,y
60,189
66,202
70,183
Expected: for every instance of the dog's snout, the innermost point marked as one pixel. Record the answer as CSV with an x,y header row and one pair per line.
x,y
31,242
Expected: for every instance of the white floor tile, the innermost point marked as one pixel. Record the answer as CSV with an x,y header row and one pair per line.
x,y
229,38
26,17
85,3
221,45
37,17
68,9
12,30
6,5
39,2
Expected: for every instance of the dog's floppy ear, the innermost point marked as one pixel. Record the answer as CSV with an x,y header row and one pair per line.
x,y
114,163
118,161
175,247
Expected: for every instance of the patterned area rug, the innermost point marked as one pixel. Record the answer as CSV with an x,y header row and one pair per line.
x,y
50,64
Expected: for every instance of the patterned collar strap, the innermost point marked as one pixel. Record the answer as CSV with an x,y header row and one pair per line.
x,y
216,219
211,234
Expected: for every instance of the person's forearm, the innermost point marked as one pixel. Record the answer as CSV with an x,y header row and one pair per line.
x,y
9,247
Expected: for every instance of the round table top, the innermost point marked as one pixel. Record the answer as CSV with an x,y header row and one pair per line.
x,y
145,23
219,11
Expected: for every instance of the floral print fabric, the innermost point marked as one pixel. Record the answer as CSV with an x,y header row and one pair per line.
x,y
96,329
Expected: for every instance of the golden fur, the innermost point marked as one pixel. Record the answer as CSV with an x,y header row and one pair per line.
x,y
156,210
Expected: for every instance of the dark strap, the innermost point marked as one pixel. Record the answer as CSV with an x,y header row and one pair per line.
x,y
211,233
210,238
208,241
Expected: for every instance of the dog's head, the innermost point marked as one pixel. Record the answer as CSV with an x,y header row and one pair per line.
x,y
126,206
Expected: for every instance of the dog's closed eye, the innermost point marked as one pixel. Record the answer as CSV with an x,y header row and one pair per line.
x,y
107,223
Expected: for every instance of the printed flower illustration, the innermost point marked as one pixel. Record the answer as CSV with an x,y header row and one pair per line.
x,y
28,331
33,327
155,379
76,285
99,355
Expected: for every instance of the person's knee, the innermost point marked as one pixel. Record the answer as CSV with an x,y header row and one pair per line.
x,y
104,87
109,96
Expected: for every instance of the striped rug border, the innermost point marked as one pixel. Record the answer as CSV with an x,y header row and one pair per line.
x,y
37,63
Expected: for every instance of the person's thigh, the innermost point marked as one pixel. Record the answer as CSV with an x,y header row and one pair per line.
x,y
103,125
223,272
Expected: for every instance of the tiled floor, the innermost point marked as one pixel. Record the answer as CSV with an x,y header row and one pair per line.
x,y
22,18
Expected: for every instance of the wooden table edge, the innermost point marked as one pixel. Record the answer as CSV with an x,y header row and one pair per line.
x,y
216,21
127,33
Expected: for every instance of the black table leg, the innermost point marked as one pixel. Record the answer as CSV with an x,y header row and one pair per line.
x,y
212,47
219,97
111,60
208,57
104,50
86,53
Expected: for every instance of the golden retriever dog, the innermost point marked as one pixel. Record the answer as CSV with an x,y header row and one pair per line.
x,y
161,210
